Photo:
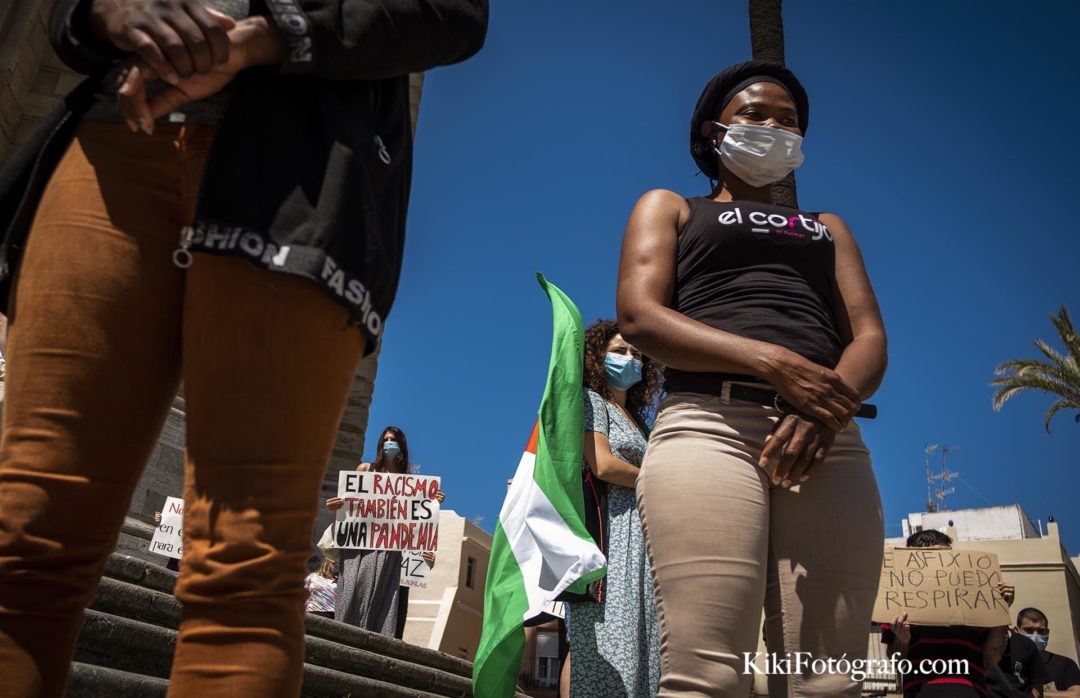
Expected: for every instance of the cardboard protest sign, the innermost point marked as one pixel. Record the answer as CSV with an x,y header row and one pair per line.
x,y
941,587
385,511
414,570
168,539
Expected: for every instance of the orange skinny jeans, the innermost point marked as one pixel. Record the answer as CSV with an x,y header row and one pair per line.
x,y
105,327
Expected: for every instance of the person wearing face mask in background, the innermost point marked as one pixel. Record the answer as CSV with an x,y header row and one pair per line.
x,y
757,489
1061,675
615,642
368,580
1021,672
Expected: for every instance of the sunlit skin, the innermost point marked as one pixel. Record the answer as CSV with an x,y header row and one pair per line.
x,y
825,400
760,104
597,448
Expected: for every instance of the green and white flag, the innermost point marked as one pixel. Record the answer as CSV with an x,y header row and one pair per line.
x,y
541,547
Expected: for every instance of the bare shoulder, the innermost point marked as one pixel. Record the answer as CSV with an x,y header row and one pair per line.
x,y
663,200
660,204
837,226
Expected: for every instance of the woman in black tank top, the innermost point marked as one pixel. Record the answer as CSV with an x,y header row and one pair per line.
x,y
756,487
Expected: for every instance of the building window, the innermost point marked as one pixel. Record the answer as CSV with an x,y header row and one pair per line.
x,y
546,671
470,566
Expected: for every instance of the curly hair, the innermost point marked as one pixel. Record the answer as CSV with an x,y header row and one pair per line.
x,y
640,399
399,436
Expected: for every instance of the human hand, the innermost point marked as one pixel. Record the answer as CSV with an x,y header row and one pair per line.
x,y
157,517
441,496
795,445
429,558
175,38
811,389
335,503
1007,591
254,41
901,629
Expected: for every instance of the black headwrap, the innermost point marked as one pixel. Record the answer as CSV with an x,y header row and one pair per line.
x,y
722,88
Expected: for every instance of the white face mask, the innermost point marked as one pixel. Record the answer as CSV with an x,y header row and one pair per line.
x,y
759,155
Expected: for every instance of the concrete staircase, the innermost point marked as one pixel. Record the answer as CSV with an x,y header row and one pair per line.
x,y
127,641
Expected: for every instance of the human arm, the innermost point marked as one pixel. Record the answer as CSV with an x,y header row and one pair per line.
x,y
597,447
255,41
606,465
799,443
994,645
375,39
1068,684
863,361
646,284
1037,673
175,37
1065,685
901,637
335,503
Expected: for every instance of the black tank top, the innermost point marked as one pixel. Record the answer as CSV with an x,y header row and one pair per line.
x,y
759,271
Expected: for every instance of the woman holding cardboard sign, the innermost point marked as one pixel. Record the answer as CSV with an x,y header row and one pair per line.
x,y
368,579
756,489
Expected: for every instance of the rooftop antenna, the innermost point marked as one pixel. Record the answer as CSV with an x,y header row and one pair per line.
x,y
930,505
945,477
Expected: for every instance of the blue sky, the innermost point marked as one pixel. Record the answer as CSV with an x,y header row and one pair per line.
x,y
942,133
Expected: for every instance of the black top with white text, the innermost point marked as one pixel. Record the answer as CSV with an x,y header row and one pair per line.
x,y
760,271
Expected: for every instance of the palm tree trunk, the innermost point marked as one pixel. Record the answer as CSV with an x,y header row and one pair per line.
x,y
767,44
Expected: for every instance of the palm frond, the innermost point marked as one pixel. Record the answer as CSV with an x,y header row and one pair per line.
x,y
1057,407
1038,382
1040,375
1023,366
1064,326
1049,352
1060,376
1010,386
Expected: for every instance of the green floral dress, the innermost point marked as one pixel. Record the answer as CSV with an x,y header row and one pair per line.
x,y
615,645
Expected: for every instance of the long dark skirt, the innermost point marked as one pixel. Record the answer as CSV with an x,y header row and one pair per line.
x,y
367,593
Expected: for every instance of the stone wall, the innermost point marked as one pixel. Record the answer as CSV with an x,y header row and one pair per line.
x,y
32,79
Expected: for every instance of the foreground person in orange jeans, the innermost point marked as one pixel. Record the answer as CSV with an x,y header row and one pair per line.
x,y
138,267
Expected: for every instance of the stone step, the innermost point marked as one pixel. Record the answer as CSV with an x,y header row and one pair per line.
x,y
91,681
130,630
153,609
129,655
128,645
165,610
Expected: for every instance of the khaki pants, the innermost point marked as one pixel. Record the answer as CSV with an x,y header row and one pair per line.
x,y
104,329
724,542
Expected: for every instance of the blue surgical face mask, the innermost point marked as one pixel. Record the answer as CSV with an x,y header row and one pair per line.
x,y
1039,640
391,449
623,372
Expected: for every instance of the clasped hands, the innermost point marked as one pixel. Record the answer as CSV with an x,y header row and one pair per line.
x,y
195,49
824,405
